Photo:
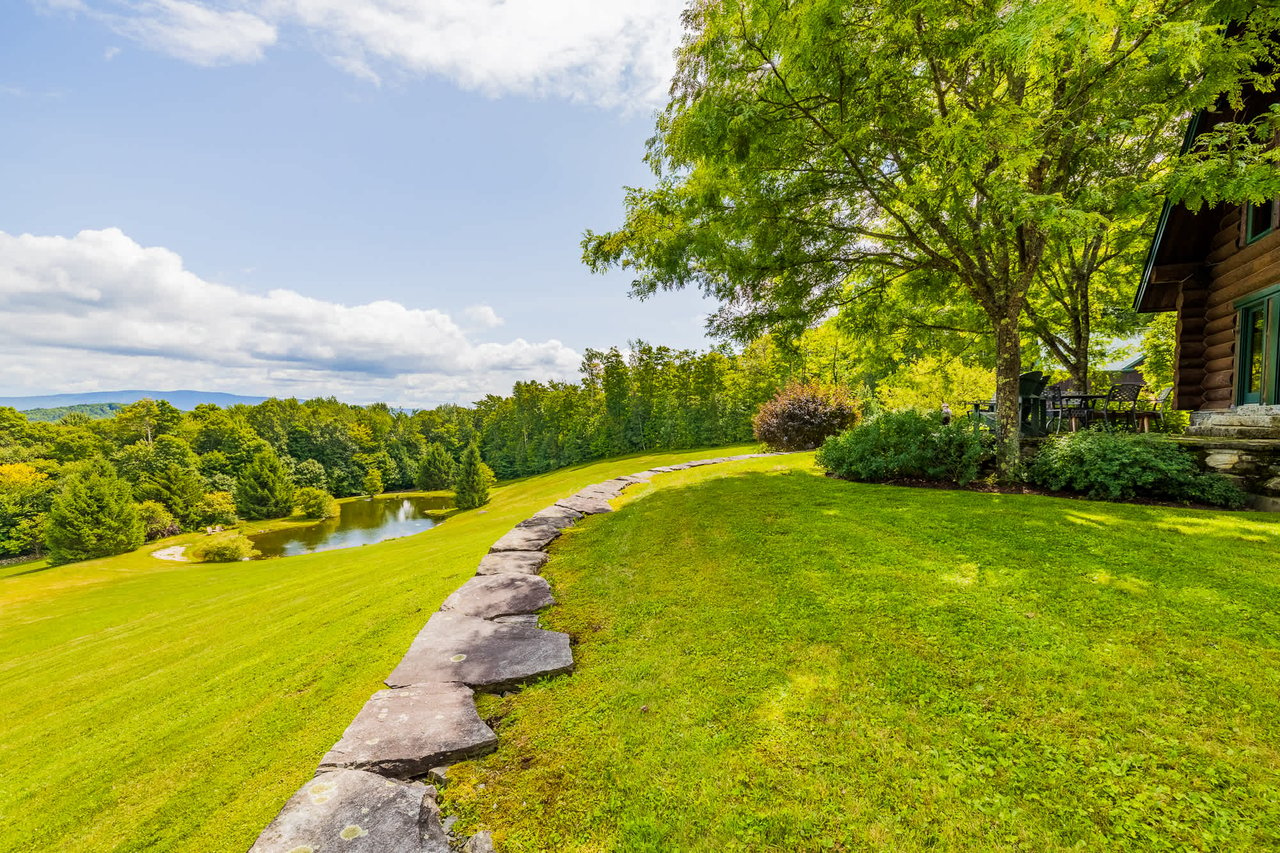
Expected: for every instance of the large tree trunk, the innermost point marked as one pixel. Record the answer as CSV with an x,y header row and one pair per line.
x,y
1008,369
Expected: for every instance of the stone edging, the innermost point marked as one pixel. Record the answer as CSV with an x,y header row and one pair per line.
x,y
485,636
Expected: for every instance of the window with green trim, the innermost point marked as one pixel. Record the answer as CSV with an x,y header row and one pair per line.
x,y
1258,220
1258,348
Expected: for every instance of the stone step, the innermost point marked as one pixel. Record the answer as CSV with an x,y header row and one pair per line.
x,y
1216,431
1238,420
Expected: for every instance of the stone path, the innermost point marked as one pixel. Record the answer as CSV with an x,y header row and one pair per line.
x,y
484,637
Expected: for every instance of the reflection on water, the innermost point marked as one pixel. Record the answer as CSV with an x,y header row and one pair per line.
x,y
362,522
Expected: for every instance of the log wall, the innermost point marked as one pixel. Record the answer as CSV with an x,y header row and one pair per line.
x,y
1205,376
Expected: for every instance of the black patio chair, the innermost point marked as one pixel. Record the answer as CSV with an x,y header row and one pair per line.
x,y
1033,415
1121,404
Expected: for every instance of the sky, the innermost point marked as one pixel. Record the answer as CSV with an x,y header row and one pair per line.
x,y
370,199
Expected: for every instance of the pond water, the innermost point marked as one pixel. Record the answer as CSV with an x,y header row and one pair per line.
x,y
361,522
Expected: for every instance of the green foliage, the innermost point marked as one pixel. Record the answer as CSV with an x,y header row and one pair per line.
x,y
801,416
435,471
179,488
944,156
906,445
157,521
1118,466
25,494
471,487
216,509
1159,341
92,515
264,489
372,482
316,503
231,548
90,411
310,474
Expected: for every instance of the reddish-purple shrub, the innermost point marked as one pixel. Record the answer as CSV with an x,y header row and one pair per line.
x,y
803,415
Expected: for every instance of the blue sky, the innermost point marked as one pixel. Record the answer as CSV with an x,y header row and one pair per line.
x,y
205,194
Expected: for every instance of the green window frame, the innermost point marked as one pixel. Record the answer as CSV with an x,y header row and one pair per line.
x,y
1259,221
1258,348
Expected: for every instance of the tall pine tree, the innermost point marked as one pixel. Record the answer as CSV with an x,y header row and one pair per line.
x,y
471,488
435,471
93,515
264,489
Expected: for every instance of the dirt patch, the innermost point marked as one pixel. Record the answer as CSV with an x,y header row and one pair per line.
x,y
177,553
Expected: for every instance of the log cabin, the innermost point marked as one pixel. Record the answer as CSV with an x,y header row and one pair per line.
x,y
1219,269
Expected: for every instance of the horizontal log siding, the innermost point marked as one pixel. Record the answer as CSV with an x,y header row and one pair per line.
x,y
1210,346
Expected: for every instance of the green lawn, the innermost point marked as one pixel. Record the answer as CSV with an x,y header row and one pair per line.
x,y
772,660
150,705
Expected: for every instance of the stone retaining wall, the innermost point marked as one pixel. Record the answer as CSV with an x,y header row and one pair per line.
x,y
1253,463
366,797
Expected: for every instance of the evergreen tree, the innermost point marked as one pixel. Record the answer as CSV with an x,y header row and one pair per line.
x,y
178,488
93,515
372,482
435,471
471,488
264,489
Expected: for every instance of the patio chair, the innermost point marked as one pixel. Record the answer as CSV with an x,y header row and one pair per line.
x,y
1121,404
1159,408
1033,416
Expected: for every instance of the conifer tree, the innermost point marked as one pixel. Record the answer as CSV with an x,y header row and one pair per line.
x,y
93,515
373,482
435,471
471,488
178,488
264,489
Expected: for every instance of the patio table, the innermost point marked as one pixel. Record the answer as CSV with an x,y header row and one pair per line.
x,y
1077,405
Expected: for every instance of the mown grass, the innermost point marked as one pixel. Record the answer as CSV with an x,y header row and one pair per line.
x,y
772,660
152,705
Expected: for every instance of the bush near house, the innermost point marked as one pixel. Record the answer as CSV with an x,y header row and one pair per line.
x,y
906,446
802,415
1121,466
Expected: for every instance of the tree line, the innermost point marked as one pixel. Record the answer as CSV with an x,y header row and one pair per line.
x,y
85,487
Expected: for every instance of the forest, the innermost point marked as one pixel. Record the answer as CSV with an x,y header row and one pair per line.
x,y
211,465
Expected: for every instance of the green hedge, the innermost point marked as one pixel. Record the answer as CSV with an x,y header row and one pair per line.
x,y
906,446
1119,466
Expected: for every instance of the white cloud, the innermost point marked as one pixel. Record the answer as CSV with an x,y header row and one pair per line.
x,y
110,53
195,32
483,316
608,52
99,312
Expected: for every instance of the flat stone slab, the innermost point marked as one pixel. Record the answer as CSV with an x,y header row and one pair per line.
x,y
559,520
526,538
405,732
354,811
513,562
490,596
480,653
586,505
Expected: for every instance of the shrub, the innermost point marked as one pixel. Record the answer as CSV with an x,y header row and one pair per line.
x,y
372,482
217,508
93,515
473,481
316,503
435,471
802,415
310,474
906,445
264,489
231,548
157,521
1118,466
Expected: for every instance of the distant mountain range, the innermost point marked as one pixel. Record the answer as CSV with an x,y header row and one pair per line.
x,y
185,400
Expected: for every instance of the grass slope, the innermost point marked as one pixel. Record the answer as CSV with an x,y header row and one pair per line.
x,y
150,705
772,660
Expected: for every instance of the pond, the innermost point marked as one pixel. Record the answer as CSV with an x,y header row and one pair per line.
x,y
361,522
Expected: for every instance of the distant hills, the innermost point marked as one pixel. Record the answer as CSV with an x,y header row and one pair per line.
x,y
94,400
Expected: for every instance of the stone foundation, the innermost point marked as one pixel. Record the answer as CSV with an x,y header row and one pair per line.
x,y
1253,463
